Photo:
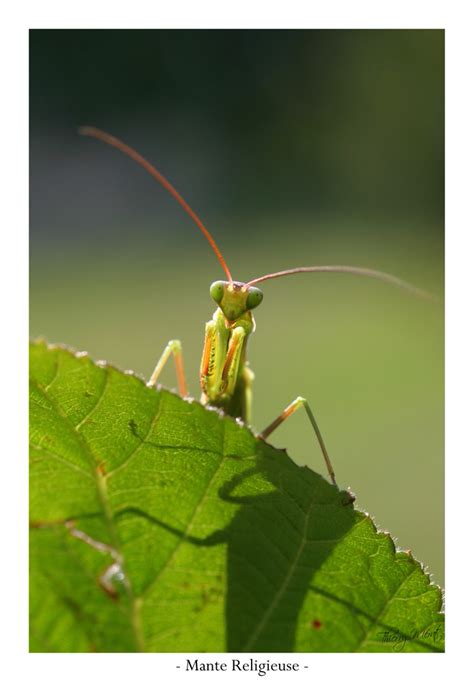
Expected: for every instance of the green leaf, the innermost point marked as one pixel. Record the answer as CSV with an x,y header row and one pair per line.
x,y
220,542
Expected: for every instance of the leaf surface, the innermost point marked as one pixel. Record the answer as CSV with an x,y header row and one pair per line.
x,y
159,525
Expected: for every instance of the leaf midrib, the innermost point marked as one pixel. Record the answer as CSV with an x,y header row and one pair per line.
x,y
278,595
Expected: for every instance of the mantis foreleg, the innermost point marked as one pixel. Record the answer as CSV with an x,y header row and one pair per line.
x,y
288,411
173,347
225,378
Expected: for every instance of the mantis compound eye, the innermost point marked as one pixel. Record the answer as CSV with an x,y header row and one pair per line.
x,y
217,291
254,298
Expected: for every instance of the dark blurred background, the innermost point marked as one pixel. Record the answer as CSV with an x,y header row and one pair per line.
x,y
294,148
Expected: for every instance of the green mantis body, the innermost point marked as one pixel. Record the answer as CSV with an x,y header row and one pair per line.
x,y
225,376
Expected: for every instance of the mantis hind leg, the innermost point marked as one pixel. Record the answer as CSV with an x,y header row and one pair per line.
x,y
287,412
173,348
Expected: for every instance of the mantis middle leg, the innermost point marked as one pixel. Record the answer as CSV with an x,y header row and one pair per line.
x,y
287,412
173,348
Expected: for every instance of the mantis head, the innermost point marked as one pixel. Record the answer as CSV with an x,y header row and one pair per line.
x,y
235,298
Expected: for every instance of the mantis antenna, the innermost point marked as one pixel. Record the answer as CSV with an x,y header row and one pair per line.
x,y
118,144
352,270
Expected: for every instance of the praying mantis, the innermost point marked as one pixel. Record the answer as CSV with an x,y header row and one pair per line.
x,y
225,375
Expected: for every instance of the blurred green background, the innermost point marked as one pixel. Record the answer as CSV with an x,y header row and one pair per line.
x,y
295,148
